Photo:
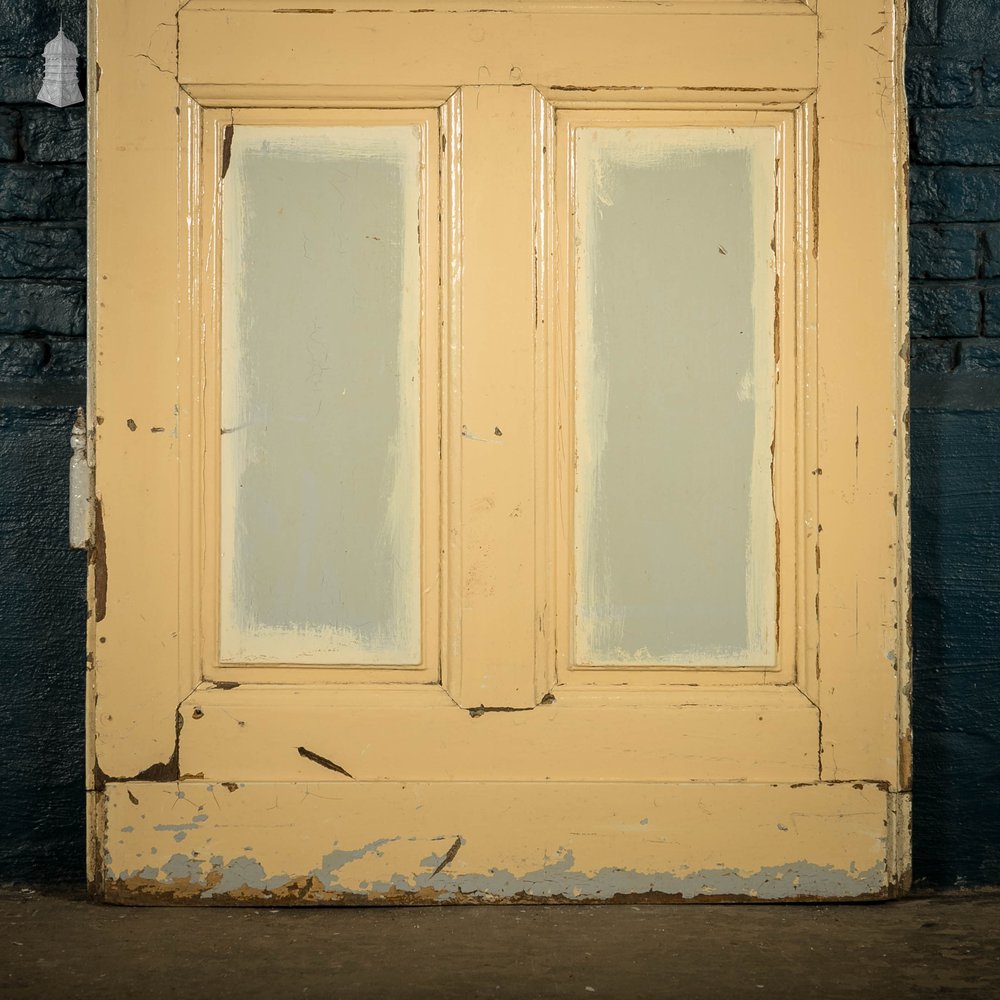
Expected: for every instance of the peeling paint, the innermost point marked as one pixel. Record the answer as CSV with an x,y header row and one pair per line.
x,y
99,562
356,841
168,770
243,879
481,710
449,857
227,150
323,761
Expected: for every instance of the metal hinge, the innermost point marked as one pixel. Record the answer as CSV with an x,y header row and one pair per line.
x,y
81,486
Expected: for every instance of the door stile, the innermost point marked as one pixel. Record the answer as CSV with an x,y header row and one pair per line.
x,y
195,250
547,347
493,423
862,394
133,630
807,559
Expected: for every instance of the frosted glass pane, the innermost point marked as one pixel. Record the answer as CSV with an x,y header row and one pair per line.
x,y
320,490
674,522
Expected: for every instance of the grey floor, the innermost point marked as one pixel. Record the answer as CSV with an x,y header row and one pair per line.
x,y
59,945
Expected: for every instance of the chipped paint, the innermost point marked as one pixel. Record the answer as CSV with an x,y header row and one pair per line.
x,y
243,879
98,558
323,761
650,843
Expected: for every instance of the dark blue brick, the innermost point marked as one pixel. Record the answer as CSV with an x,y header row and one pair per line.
x,y
32,192
20,79
47,251
20,358
29,24
954,194
957,138
932,355
956,631
940,81
42,634
9,127
43,306
990,245
991,312
915,77
979,356
54,135
944,252
991,80
66,359
976,22
944,310
923,24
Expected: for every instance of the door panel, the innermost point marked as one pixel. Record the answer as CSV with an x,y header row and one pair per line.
x,y
674,524
622,44
584,735
697,310
320,452
323,320
472,517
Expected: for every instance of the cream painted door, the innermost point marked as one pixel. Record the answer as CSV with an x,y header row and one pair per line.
x,y
500,457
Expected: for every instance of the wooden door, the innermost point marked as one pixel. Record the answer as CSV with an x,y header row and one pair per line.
x,y
498,422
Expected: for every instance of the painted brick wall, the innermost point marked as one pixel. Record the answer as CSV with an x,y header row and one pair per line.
x,y
954,84
954,92
42,379
953,80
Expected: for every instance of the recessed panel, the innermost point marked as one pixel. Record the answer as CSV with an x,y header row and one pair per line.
x,y
674,305
320,447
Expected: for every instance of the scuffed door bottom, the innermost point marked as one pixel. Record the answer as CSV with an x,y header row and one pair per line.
x,y
391,843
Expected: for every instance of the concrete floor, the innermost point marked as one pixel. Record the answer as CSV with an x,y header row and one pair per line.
x,y
55,945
